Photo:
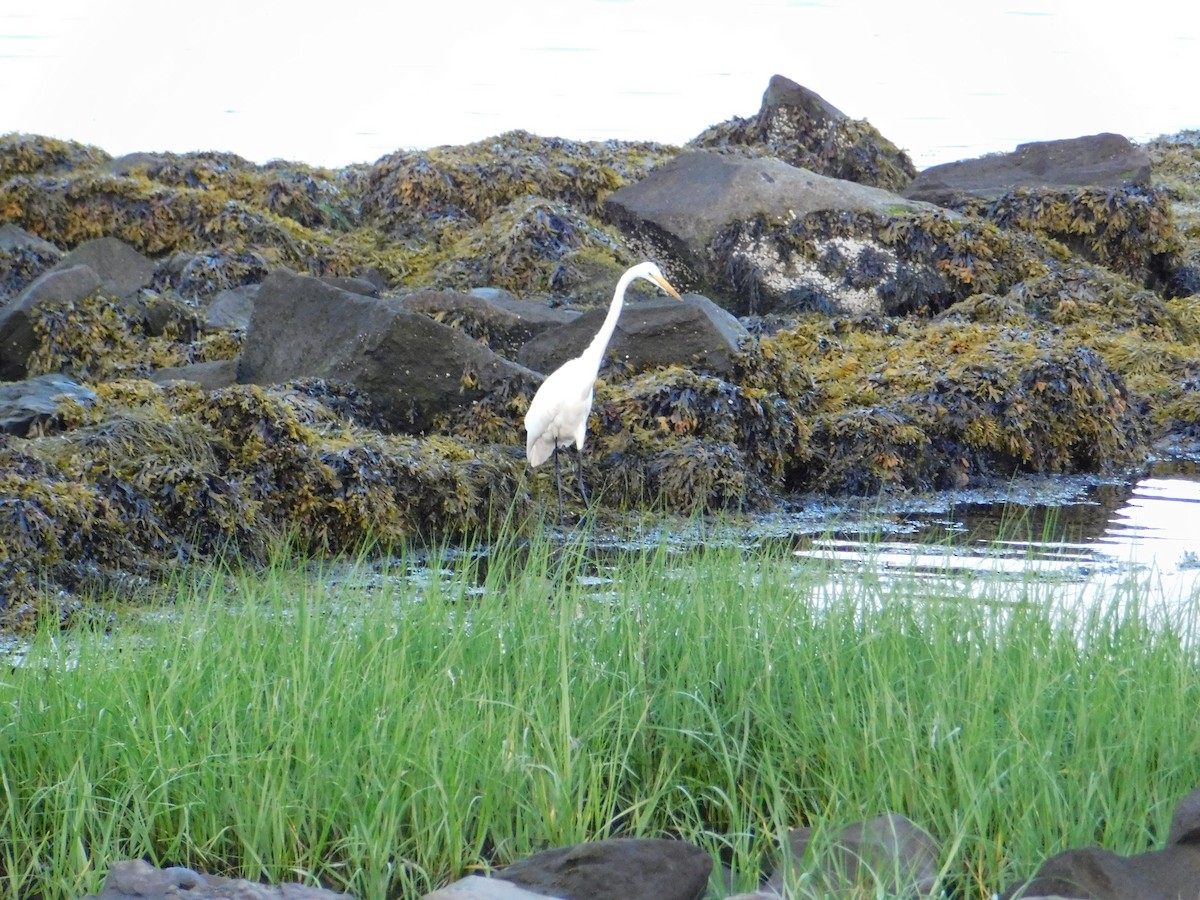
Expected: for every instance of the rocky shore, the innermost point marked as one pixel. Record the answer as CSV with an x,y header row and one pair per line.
x,y
200,354
887,856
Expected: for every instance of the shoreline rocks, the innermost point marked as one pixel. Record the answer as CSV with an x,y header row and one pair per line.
x,y
845,339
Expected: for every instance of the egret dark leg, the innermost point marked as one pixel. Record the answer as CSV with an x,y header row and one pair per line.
x,y
582,489
558,478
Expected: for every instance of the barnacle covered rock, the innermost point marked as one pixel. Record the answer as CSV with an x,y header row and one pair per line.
x,y
693,213
801,128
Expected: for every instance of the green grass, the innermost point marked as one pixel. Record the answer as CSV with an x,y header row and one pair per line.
x,y
383,735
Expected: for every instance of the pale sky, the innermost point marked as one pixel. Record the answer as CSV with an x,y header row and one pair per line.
x,y
362,78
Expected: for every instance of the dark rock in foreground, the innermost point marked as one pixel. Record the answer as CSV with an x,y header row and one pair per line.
x,y
1172,873
617,869
888,855
408,366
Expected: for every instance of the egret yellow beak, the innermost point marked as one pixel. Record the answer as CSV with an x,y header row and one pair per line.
x,y
666,286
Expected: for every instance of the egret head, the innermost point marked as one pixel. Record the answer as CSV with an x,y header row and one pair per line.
x,y
651,272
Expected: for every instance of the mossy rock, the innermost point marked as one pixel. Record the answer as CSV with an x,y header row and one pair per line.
x,y
801,128
907,406
157,220
151,475
1129,230
407,191
531,246
29,154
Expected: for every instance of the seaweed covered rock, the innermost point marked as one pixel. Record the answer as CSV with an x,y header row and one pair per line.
x,y
1092,194
23,257
146,477
204,221
685,208
411,191
695,333
1176,165
28,154
904,405
18,341
798,126
410,367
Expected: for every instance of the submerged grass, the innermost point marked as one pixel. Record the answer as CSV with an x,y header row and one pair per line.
x,y
382,734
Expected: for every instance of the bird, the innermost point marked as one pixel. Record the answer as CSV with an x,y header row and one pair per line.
x,y
558,413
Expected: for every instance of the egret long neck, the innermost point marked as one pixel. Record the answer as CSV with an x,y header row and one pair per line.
x,y
595,350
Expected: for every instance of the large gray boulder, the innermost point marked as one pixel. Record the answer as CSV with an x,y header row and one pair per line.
x,y
17,340
409,367
884,856
695,333
123,270
1098,160
681,213
1168,874
615,869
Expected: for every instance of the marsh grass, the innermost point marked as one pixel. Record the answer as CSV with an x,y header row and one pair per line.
x,y
382,734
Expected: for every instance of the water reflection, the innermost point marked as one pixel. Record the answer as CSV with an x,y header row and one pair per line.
x,y
1148,531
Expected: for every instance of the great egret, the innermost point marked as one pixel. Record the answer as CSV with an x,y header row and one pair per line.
x,y
559,411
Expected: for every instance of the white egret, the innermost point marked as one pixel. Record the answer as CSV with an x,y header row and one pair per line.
x,y
559,411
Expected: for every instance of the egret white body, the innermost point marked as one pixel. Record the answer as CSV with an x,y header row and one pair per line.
x,y
558,414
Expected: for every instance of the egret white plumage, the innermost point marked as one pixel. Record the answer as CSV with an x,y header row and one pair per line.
x,y
558,414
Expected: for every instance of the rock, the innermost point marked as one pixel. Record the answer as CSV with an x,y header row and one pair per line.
x,y
27,406
678,213
137,878
409,367
23,257
476,887
1098,874
17,339
695,333
209,375
163,314
616,869
800,127
1099,160
122,270
505,324
14,238
887,855
363,286
231,309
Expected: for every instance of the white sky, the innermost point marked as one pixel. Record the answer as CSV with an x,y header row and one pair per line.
x,y
361,78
